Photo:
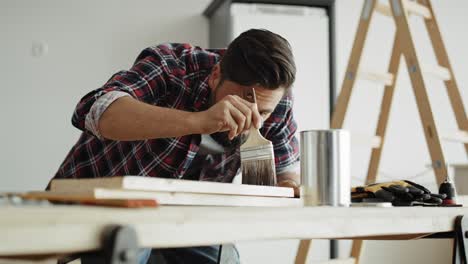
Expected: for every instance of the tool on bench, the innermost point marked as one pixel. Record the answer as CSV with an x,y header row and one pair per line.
x,y
399,193
448,189
257,157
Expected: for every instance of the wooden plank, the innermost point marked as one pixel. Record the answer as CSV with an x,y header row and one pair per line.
x,y
168,185
384,114
302,251
356,250
167,198
420,92
353,65
443,60
78,228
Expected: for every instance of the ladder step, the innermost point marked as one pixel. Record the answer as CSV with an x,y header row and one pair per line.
x,y
386,78
383,9
418,9
437,71
376,142
366,140
411,6
458,136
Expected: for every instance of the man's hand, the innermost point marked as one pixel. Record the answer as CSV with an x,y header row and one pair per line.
x,y
232,114
291,184
290,179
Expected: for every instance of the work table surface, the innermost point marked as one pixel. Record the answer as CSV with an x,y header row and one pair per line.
x,y
66,229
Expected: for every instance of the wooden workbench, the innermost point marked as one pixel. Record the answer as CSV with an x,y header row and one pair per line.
x,y
34,230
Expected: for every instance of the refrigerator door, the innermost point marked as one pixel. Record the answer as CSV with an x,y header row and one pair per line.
x,y
306,29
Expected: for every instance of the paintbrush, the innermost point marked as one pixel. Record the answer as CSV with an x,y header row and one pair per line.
x,y
257,157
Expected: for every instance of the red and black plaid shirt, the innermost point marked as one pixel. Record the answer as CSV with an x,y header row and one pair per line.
x,y
174,76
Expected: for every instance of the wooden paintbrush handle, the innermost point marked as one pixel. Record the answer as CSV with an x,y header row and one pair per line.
x,y
255,137
249,95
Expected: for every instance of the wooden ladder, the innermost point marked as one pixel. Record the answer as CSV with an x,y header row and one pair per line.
x,y
403,45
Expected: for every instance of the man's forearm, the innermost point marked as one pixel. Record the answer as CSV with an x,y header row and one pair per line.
x,y
129,119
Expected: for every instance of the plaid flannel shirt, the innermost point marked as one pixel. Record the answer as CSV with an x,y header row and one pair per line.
x,y
174,76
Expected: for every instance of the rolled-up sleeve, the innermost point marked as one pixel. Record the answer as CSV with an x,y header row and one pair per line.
x,y
145,81
98,108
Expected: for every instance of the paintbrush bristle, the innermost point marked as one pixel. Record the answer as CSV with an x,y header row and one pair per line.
x,y
259,172
258,165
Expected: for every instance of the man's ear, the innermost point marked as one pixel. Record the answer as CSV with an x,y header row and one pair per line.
x,y
215,77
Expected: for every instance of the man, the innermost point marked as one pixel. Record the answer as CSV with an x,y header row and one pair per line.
x,y
179,113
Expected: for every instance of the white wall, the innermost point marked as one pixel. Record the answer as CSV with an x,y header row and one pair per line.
x,y
89,40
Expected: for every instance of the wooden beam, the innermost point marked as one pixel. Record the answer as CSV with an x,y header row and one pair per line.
x,y
302,252
356,250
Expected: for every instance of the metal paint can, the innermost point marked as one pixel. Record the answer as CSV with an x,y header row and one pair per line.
x,y
325,167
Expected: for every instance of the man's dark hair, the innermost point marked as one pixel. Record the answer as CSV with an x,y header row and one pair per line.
x,y
258,56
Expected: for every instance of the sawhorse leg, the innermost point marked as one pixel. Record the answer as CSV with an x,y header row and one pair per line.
x,y
460,243
460,239
303,251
